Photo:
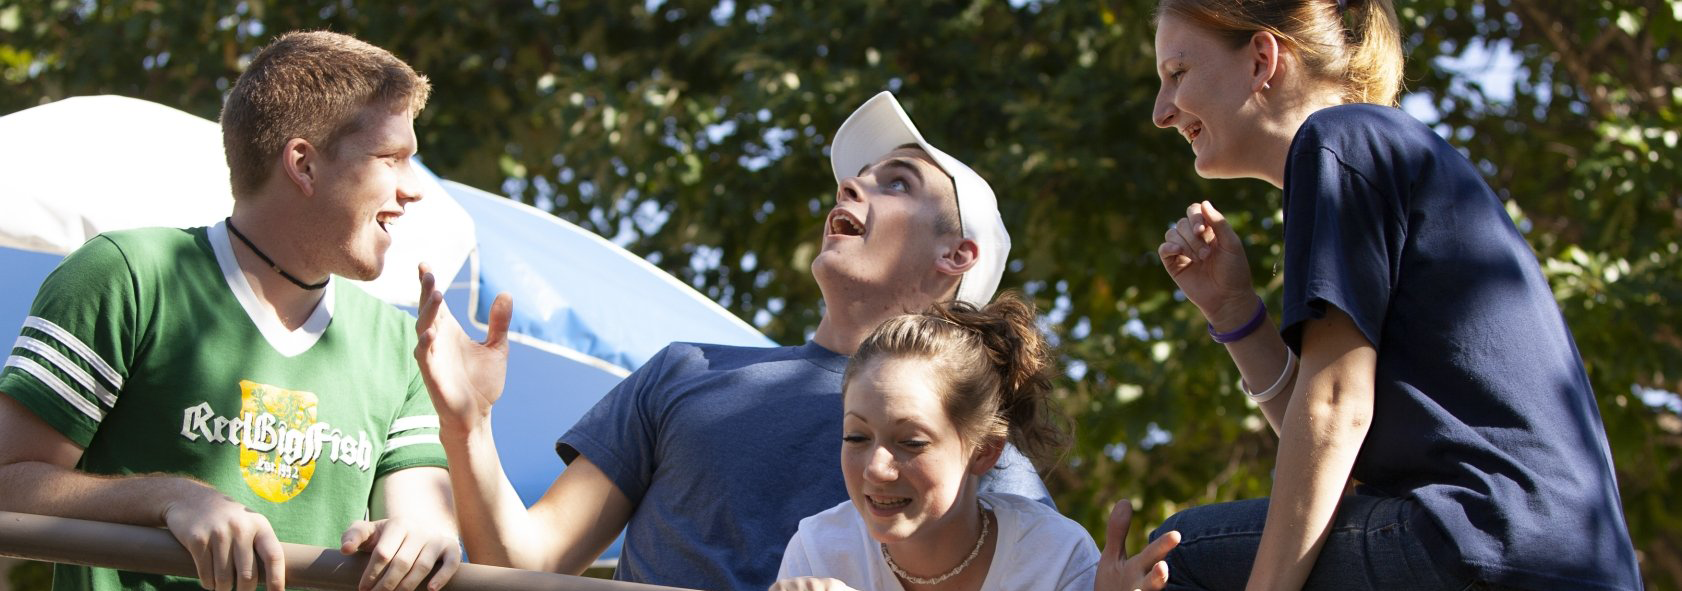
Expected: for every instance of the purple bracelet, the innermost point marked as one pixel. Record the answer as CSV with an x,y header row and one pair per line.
x,y
1242,331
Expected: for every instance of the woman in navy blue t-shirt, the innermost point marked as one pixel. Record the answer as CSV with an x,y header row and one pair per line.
x,y
1420,353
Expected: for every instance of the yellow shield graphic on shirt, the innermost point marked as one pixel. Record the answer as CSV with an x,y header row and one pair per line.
x,y
276,456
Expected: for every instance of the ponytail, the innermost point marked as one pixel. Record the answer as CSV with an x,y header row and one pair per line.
x,y
996,367
1375,52
1356,44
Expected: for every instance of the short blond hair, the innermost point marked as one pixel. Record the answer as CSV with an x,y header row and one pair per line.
x,y
310,85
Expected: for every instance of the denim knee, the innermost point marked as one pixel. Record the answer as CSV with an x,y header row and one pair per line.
x,y
1233,517
1168,525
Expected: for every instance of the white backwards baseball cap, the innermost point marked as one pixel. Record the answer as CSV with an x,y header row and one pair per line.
x,y
879,126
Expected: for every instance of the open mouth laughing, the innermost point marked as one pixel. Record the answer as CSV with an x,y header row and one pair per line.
x,y
1191,132
883,505
844,223
387,219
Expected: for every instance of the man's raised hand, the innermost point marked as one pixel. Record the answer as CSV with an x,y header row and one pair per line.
x,y
464,378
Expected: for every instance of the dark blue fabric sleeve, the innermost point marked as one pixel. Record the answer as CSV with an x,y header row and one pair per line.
x,y
618,433
1343,239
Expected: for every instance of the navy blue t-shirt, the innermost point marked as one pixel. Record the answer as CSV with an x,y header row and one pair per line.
x,y
722,451
1482,409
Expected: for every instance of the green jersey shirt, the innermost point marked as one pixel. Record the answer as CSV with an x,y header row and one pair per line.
x,y
149,349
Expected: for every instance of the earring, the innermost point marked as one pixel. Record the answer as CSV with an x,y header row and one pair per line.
x,y
1266,86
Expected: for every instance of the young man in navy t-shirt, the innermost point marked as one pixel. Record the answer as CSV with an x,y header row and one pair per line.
x,y
709,456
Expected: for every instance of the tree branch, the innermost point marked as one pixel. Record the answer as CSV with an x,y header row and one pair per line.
x,y
1573,60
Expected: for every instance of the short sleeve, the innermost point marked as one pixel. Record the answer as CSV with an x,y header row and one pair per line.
x,y
1080,571
618,434
412,440
1343,237
74,351
795,561
1039,548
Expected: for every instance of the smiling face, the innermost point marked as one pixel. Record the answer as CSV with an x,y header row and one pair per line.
x,y
362,184
886,229
905,465
1207,87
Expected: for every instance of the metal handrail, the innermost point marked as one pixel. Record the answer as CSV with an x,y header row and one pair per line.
x,y
153,550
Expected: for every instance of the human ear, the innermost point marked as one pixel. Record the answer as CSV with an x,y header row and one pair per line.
x,y
1264,60
298,160
988,456
959,259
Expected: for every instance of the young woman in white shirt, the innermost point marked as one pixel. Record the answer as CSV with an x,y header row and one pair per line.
x,y
930,400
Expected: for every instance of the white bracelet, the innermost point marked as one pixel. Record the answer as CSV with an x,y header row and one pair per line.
x,y
1279,386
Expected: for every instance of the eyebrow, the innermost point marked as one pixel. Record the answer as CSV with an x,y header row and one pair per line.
x,y
902,420
897,162
392,147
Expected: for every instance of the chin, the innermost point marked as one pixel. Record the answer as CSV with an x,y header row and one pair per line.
x,y
820,262
832,272
1215,173
1210,167
896,532
821,271
364,270
1206,169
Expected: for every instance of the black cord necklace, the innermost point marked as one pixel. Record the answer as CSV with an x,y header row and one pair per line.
x,y
266,259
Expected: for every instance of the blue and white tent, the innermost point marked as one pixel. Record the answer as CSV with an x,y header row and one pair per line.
x,y
586,312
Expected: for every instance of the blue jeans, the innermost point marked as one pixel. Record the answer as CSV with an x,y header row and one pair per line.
x,y
1377,543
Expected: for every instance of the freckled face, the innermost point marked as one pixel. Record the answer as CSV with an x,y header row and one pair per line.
x,y
903,461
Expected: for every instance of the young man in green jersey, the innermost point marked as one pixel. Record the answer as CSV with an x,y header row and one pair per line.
x,y
219,381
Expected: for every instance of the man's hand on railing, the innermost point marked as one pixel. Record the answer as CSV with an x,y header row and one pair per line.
x,y
227,540
401,556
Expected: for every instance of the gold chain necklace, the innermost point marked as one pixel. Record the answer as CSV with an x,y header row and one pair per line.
x,y
954,572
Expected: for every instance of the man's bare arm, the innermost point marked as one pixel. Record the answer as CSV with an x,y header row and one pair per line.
x,y
227,540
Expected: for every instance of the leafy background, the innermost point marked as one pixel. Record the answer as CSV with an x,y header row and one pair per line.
x,y
694,133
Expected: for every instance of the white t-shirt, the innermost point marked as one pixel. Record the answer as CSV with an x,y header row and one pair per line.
x,y
1038,549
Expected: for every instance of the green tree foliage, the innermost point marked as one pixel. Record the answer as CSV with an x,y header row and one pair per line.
x,y
694,132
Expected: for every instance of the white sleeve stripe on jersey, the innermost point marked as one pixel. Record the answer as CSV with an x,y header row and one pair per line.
x,y
412,423
67,366
32,368
401,442
75,344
